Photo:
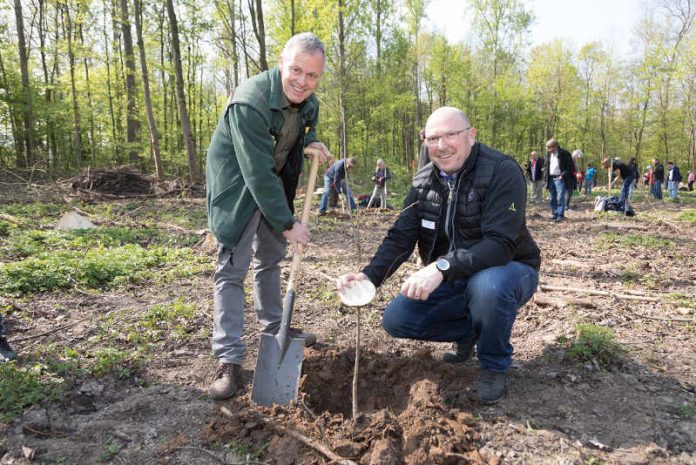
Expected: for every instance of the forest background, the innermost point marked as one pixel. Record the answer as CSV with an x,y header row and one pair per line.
x,y
95,83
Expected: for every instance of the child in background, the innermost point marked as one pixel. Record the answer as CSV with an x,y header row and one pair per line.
x,y
589,179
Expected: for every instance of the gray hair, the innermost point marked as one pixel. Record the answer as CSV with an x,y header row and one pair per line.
x,y
303,42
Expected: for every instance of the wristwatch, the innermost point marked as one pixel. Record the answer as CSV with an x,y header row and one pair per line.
x,y
443,265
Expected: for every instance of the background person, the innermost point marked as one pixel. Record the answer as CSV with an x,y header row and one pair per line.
x,y
380,178
674,177
336,175
658,178
590,173
535,174
558,176
626,173
481,263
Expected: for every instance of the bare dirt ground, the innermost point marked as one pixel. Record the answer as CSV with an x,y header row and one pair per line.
x,y
414,408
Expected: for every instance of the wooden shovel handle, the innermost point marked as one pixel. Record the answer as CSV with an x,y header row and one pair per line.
x,y
304,219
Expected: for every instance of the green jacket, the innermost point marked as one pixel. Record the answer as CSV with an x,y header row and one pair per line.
x,y
239,167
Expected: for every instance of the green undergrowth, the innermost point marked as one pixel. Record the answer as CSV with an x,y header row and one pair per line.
x,y
22,386
26,243
98,268
594,343
609,240
54,368
688,215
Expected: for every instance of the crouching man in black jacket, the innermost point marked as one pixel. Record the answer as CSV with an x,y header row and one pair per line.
x,y
466,213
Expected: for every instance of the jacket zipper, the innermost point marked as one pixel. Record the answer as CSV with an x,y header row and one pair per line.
x,y
448,216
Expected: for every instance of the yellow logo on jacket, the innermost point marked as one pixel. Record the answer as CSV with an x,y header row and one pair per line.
x,y
512,207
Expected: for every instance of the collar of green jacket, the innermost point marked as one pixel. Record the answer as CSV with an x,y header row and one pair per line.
x,y
271,108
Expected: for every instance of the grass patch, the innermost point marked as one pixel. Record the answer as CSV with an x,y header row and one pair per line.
x,y
23,243
688,215
122,364
607,240
174,320
95,268
592,342
22,386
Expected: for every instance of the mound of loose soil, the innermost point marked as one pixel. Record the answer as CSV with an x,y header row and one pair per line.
x,y
122,181
407,412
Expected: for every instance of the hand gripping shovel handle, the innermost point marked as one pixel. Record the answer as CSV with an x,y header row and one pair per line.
x,y
297,256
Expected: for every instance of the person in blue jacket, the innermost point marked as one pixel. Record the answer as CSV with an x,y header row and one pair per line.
x,y
336,175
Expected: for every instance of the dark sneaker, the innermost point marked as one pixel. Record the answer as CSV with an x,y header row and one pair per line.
x,y
224,383
491,386
463,351
6,352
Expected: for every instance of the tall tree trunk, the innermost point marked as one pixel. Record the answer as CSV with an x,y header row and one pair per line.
x,y
154,138
26,88
43,27
233,40
342,78
180,95
19,148
77,138
259,30
109,91
292,18
132,123
92,137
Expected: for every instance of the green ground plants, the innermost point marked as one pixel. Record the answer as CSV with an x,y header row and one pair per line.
x,y
21,386
93,268
608,240
688,215
592,342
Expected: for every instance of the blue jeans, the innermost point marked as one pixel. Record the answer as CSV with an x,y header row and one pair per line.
x,y
325,196
557,198
1,328
588,187
673,188
626,191
657,190
483,306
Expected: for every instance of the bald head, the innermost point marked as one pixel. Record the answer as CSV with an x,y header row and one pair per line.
x,y
449,136
449,113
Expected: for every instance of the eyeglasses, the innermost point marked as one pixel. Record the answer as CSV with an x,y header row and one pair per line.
x,y
447,137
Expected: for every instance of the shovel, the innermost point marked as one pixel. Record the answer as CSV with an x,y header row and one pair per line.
x,y
279,362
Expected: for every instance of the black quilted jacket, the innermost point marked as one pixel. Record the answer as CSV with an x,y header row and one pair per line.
x,y
476,223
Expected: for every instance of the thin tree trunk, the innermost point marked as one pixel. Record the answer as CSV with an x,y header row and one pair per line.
x,y
13,124
154,138
77,138
259,30
43,27
110,95
132,123
165,87
341,79
180,95
92,138
26,88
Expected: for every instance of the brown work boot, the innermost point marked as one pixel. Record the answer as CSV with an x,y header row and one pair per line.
x,y
224,383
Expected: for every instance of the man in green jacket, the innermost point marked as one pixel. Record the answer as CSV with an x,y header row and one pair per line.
x,y
254,161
